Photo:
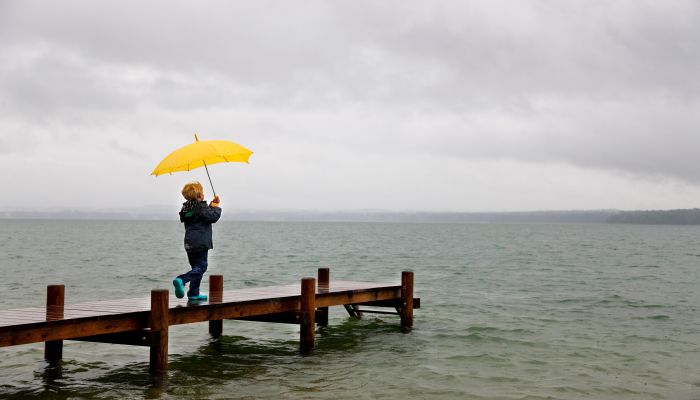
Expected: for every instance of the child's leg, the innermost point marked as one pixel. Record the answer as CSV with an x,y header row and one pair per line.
x,y
198,262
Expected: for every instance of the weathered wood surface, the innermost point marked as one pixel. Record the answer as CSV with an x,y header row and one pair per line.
x,y
307,314
55,297
324,278
406,309
38,324
216,292
158,324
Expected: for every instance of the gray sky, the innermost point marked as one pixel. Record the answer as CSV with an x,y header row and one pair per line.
x,y
351,105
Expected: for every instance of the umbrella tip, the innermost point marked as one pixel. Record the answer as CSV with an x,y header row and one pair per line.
x,y
196,139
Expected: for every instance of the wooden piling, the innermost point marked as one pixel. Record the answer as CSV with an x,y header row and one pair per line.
x,y
324,278
307,314
406,299
55,300
216,296
159,330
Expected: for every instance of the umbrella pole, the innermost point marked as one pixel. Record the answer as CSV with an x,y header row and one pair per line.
x,y
212,185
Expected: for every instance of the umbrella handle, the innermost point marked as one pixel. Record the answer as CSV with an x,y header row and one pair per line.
x,y
212,185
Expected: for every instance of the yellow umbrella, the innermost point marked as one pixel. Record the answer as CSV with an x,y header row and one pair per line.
x,y
202,153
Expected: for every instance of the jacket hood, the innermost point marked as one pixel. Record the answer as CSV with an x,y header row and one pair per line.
x,y
188,210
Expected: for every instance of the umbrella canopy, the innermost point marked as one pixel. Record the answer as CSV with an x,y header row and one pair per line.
x,y
202,153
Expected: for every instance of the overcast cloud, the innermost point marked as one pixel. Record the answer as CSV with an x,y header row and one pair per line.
x,y
391,105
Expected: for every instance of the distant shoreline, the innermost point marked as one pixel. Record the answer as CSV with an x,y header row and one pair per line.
x,y
650,217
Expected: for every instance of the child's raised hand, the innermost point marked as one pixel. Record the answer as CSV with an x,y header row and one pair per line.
x,y
216,202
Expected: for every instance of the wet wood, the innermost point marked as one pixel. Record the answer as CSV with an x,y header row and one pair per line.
x,y
55,297
216,295
324,279
69,329
146,321
159,330
30,325
133,338
307,314
406,309
366,311
292,317
390,303
205,312
356,297
357,310
350,310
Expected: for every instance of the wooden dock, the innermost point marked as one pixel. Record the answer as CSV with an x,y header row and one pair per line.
x,y
145,322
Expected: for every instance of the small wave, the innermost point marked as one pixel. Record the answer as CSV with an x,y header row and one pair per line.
x,y
636,305
478,337
493,329
502,379
569,301
483,357
619,300
571,389
643,338
655,317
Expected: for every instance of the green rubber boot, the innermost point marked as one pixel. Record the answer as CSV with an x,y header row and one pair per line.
x,y
199,297
179,288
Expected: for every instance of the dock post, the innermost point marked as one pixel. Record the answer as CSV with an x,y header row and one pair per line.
x,y
159,330
55,296
307,314
324,278
406,299
216,295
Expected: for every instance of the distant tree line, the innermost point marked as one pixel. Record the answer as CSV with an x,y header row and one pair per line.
x,y
657,217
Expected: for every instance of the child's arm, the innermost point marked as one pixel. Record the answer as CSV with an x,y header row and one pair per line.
x,y
212,213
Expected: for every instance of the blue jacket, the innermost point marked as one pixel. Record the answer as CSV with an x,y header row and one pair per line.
x,y
198,217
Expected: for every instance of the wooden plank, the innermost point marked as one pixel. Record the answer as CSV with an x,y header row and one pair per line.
x,y
133,338
356,297
232,310
206,312
357,310
69,329
26,319
350,310
105,309
290,317
390,303
41,312
366,311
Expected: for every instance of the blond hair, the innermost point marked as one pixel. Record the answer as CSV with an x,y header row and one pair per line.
x,y
192,191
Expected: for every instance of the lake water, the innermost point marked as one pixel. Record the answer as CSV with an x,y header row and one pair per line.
x,y
521,311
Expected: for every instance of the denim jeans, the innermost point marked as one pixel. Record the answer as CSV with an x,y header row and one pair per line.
x,y
198,262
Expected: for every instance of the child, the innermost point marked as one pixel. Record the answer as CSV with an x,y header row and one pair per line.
x,y
198,217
